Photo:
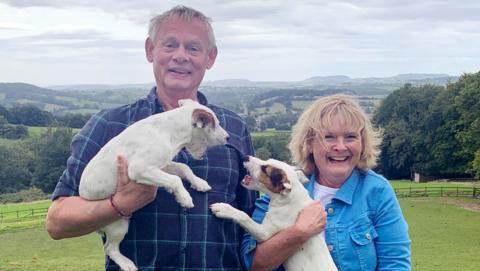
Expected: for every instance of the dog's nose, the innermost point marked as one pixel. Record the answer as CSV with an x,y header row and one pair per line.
x,y
246,158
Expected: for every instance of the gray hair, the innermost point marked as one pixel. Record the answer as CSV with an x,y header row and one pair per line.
x,y
184,13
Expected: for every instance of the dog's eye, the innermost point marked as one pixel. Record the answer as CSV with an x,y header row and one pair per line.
x,y
264,169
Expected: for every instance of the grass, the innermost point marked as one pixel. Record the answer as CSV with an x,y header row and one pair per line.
x,y
34,250
408,183
21,216
268,132
24,206
444,237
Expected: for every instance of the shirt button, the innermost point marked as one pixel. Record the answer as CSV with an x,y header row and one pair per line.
x,y
368,236
330,248
330,210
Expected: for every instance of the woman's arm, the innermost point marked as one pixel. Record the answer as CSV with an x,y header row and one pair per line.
x,y
393,243
273,252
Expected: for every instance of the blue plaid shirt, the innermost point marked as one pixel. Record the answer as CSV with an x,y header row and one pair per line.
x,y
163,235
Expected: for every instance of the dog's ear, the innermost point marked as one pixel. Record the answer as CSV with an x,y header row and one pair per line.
x,y
279,180
301,176
202,118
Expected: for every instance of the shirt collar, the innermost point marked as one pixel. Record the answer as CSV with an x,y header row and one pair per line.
x,y
345,193
153,99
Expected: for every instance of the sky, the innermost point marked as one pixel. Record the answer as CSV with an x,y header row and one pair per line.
x,y
63,42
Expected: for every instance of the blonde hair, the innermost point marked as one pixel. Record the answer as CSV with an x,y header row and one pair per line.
x,y
318,117
184,13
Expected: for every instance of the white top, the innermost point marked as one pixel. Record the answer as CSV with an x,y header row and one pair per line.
x,y
324,194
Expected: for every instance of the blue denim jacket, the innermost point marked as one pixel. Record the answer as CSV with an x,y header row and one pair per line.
x,y
365,227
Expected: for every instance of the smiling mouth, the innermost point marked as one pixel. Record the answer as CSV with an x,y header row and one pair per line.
x,y
180,71
338,159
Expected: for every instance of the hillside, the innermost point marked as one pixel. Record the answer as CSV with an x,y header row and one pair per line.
x,y
243,96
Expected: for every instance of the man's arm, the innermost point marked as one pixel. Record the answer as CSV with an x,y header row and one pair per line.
x,y
74,216
273,252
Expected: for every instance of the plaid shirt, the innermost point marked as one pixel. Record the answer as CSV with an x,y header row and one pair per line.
x,y
163,235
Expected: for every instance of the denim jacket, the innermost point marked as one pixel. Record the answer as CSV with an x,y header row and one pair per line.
x,y
365,227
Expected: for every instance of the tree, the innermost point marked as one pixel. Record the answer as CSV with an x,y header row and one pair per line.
x,y
4,113
30,115
272,146
402,115
73,120
476,164
15,173
51,151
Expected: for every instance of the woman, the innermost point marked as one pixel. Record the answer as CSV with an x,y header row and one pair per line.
x,y
335,144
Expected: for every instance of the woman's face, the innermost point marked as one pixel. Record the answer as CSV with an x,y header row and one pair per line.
x,y
338,155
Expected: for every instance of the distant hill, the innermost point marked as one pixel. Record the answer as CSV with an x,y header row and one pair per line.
x,y
235,94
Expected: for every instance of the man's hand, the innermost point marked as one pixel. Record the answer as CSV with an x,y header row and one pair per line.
x,y
130,196
311,220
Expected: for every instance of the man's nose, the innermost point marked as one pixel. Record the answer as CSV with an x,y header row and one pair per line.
x,y
181,55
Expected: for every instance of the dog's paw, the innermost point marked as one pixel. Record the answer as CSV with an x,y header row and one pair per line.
x,y
201,185
223,210
184,199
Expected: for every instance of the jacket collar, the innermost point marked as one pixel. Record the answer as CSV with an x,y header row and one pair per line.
x,y
345,193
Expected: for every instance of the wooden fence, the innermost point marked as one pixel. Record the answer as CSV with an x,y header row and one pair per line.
x,y
22,218
460,191
25,218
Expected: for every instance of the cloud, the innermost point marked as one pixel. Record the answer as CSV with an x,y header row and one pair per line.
x,y
258,40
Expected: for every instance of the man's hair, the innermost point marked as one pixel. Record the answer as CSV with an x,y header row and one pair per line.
x,y
184,13
318,117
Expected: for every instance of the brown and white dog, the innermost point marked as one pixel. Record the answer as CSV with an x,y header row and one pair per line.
x,y
288,197
149,146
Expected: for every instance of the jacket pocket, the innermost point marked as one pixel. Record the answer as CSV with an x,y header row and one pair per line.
x,y
363,235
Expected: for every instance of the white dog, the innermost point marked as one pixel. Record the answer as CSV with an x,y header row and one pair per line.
x,y
288,197
149,145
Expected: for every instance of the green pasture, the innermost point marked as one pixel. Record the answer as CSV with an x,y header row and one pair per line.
x,y
269,132
24,206
408,183
22,215
301,104
34,250
444,234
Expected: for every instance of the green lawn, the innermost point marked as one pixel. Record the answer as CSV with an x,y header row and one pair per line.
x,y
444,234
34,250
24,206
407,184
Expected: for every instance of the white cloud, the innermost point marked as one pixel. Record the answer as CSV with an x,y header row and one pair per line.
x,y
101,41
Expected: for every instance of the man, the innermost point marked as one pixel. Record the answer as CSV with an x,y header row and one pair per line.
x,y
162,235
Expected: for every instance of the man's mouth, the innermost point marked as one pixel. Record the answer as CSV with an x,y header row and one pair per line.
x,y
179,71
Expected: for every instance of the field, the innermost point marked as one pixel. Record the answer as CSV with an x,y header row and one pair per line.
x,y
444,234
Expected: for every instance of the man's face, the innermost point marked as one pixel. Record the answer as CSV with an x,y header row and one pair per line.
x,y
180,55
